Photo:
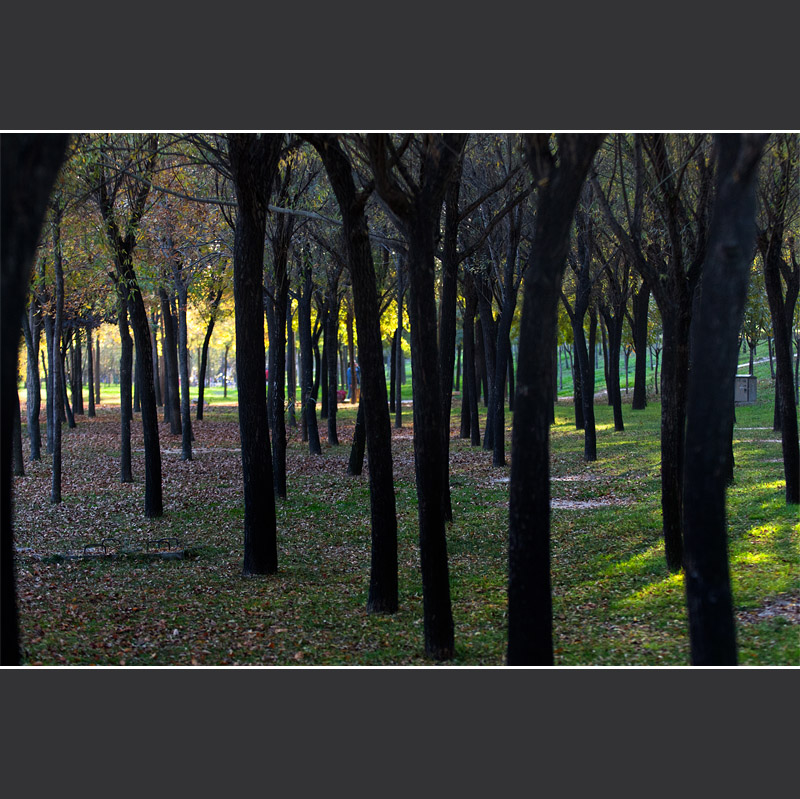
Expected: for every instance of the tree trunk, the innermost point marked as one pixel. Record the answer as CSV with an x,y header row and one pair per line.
x,y
97,370
49,376
58,369
90,375
393,372
156,367
29,164
183,358
640,306
674,375
31,328
202,375
172,408
470,396
125,388
355,464
254,162
17,457
712,628
530,627
332,348
308,403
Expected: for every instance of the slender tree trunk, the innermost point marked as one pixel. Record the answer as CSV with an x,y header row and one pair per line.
x,y
183,357
172,408
308,402
470,380
641,305
332,346
17,457
32,332
393,372
291,371
57,369
49,376
156,367
90,375
125,388
97,370
355,464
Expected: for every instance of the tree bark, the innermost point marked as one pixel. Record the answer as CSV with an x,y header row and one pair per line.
x,y
530,633
29,164
254,162
715,328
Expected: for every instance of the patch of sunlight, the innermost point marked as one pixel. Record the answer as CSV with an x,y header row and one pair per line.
x,y
636,564
775,485
657,589
750,558
764,532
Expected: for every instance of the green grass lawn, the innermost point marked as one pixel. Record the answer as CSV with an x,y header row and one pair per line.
x,y
614,602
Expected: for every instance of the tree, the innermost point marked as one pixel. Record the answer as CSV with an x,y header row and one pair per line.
x,y
416,201
121,193
715,330
383,590
253,165
558,176
779,208
29,164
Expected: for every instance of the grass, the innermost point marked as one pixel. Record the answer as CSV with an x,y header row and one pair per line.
x,y
614,602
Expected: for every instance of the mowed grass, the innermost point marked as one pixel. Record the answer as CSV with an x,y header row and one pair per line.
x,y
614,602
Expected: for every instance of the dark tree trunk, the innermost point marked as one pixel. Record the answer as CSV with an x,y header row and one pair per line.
x,y
640,306
203,373
291,370
530,626
784,388
447,321
49,375
400,366
674,376
489,336
614,322
77,373
17,457
156,367
31,327
97,371
59,388
90,372
458,368
29,164
321,383
332,348
172,408
420,214
393,371
712,628
125,388
183,359
254,162
137,401
308,402
67,408
355,464
470,382
373,405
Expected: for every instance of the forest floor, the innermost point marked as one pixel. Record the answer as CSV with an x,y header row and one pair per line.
x,y
100,584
